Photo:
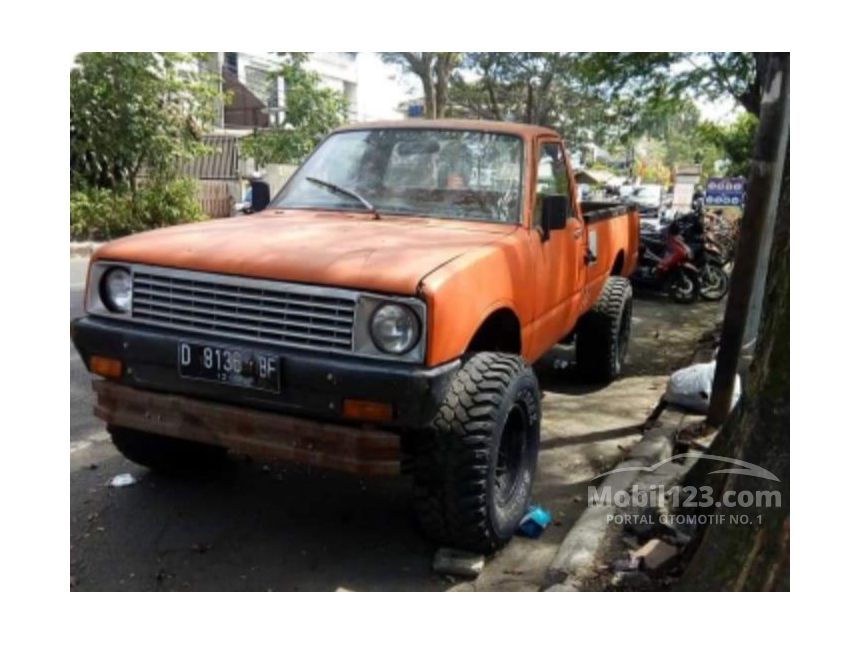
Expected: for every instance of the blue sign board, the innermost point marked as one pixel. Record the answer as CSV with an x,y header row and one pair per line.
x,y
725,191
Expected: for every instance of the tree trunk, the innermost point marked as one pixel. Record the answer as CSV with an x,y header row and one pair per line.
x,y
529,116
429,95
755,556
444,65
421,64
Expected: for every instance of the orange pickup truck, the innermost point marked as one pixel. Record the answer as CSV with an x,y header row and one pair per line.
x,y
379,315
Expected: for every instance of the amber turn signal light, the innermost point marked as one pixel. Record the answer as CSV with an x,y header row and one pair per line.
x,y
107,367
367,410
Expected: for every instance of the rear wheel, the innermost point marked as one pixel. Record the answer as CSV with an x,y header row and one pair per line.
x,y
475,466
603,334
167,454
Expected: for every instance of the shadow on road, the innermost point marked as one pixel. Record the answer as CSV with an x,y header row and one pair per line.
x,y
603,435
263,526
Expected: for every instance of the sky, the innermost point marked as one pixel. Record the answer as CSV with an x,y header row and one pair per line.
x,y
723,111
381,88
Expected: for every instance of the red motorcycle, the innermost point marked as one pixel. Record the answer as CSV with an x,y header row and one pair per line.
x,y
666,264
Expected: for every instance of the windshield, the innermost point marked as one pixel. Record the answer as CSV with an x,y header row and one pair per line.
x,y
434,173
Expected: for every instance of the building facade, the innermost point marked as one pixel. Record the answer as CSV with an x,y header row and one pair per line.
x,y
258,98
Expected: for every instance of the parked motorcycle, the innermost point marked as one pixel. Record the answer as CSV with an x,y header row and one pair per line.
x,y
708,257
672,273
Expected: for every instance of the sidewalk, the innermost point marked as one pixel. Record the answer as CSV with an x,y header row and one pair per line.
x,y
593,540
83,249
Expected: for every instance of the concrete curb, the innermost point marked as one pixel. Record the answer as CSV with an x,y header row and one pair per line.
x,y
578,550
83,249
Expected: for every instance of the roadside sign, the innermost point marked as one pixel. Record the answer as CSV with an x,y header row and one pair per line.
x,y
725,191
682,197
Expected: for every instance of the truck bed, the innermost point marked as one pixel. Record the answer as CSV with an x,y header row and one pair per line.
x,y
613,242
595,211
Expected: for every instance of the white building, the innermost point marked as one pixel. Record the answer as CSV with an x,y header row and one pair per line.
x,y
338,71
258,98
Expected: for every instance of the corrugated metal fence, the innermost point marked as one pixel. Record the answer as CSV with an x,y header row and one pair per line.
x,y
215,198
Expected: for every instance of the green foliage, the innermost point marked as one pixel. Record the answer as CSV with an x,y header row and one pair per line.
x,y
103,214
529,87
650,165
311,112
135,111
574,93
735,141
652,94
676,124
642,76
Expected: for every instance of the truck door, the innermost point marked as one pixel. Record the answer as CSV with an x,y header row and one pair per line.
x,y
558,256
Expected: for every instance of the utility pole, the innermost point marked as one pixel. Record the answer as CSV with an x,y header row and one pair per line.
x,y
756,230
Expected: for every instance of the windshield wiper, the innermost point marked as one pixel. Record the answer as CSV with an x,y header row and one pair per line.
x,y
346,191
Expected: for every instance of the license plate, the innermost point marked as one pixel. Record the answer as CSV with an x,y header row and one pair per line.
x,y
229,366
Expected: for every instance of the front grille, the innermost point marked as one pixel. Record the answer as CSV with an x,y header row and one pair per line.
x,y
276,312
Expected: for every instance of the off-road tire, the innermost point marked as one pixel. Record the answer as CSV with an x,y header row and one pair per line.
x,y
475,465
603,333
177,457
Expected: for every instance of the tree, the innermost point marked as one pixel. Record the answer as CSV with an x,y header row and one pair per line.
x,y
136,111
755,556
528,87
738,75
735,142
310,113
558,90
650,165
434,70
650,89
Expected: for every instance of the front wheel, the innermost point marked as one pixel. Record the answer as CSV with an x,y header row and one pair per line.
x,y
683,286
714,282
475,465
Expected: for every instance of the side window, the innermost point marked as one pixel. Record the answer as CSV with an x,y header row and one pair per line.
x,y
551,173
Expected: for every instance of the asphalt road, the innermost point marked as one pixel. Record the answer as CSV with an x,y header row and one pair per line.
x,y
273,526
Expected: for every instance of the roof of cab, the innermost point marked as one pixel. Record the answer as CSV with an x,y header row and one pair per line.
x,y
506,127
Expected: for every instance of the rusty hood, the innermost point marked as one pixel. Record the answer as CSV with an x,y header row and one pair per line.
x,y
352,250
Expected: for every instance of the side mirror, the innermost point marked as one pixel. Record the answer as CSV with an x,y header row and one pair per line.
x,y
260,196
554,211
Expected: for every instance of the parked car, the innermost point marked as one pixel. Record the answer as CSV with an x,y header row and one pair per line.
x,y
647,196
385,308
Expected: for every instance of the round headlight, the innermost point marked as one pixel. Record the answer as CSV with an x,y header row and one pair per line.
x,y
116,290
394,328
